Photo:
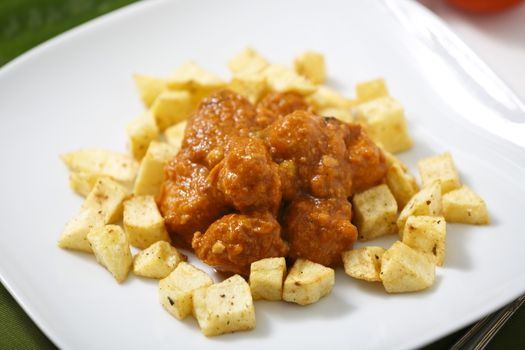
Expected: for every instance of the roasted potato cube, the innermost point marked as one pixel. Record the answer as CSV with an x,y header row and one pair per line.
x,y
193,77
143,223
247,63
325,97
342,114
465,206
281,78
363,263
426,202
310,64
401,183
307,282
176,290
370,90
266,278
224,307
253,87
384,120
151,171
172,107
111,247
440,167
375,212
157,261
175,134
149,87
102,206
427,234
141,131
117,166
404,269
82,183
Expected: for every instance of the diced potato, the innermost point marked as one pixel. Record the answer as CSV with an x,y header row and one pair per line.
x,y
143,223
151,171
363,263
141,131
172,107
342,114
253,87
440,167
82,183
370,90
426,202
120,167
102,206
176,290
247,63
224,307
281,78
157,261
325,97
111,247
307,282
310,65
175,134
375,212
266,278
384,120
427,234
149,87
465,206
404,269
192,76
402,184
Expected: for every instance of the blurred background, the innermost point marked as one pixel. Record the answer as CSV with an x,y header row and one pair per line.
x,y
494,29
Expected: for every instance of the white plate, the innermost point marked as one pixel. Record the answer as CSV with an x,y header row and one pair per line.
x,y
76,91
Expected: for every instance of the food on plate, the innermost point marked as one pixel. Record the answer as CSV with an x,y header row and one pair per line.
x,y
149,176
310,64
268,169
404,269
141,132
102,206
371,90
266,278
426,202
465,206
307,282
111,248
157,260
442,168
427,234
364,263
176,290
224,307
94,163
143,223
384,120
375,212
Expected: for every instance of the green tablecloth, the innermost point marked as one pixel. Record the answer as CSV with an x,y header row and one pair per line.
x,y
26,23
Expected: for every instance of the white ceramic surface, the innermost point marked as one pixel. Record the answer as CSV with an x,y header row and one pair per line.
x,y
76,91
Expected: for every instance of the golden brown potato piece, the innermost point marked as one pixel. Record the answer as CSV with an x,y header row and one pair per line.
x,y
234,241
319,229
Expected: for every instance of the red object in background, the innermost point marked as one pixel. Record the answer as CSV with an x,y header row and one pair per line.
x,y
484,6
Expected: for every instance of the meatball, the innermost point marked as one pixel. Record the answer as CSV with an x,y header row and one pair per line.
x,y
219,117
314,154
234,241
279,104
188,199
319,229
366,158
248,178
